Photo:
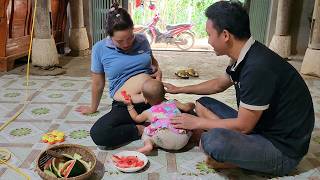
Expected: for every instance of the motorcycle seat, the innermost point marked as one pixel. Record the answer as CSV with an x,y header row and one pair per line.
x,y
169,27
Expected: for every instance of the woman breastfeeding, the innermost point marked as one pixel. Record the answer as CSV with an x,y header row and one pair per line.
x,y
125,59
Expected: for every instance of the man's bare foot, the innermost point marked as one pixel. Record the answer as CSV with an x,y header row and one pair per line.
x,y
147,148
196,136
140,129
211,163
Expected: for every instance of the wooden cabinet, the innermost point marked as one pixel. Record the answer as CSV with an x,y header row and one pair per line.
x,y
15,28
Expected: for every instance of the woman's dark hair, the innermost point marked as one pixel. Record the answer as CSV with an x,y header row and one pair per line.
x,y
117,19
230,16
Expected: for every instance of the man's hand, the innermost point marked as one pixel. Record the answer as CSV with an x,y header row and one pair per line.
x,y
172,89
85,110
186,121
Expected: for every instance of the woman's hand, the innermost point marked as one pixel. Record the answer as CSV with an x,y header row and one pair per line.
x,y
157,73
85,110
186,121
172,89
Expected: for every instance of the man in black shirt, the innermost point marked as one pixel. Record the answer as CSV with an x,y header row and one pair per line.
x,y
272,128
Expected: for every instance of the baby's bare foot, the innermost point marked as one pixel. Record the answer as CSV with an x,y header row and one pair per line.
x,y
146,149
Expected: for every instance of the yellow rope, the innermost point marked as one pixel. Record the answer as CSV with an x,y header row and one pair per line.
x,y
7,157
15,169
14,117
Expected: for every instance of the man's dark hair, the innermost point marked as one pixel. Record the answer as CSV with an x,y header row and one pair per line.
x,y
118,19
230,16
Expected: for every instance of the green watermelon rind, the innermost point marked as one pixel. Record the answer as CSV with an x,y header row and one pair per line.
x,y
77,156
63,170
49,173
77,169
68,156
75,166
55,170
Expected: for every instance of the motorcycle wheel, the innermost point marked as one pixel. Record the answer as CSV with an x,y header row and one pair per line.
x,y
185,41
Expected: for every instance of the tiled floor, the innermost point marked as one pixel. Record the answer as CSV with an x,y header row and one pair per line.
x,y
52,102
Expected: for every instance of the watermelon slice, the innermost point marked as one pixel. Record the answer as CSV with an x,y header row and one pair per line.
x,y
66,169
47,172
70,166
127,161
68,156
77,156
115,158
125,95
47,165
73,168
55,166
87,165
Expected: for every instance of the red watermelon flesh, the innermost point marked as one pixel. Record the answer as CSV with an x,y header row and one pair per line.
x,y
74,168
65,171
47,165
127,161
125,95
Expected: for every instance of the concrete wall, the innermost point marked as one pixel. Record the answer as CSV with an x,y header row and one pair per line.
x,y
301,10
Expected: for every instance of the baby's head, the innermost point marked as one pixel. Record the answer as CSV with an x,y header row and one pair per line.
x,y
153,91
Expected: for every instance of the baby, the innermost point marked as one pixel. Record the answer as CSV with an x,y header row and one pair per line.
x,y
160,132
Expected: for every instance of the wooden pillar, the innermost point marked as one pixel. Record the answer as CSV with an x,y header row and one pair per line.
x,y
87,6
281,40
282,22
44,51
78,33
311,60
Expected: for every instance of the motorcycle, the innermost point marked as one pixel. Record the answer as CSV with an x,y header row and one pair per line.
x,y
179,34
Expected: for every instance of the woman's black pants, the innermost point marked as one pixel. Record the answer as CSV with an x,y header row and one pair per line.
x,y
116,127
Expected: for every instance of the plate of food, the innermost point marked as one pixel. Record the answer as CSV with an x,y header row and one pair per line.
x,y
129,161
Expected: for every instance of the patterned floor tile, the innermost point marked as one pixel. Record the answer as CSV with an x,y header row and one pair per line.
x,y
55,96
67,85
4,81
76,133
20,132
15,95
53,103
42,111
6,109
86,97
76,116
9,174
22,84
14,161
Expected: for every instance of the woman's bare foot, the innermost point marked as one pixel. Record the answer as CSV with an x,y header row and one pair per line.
x,y
140,129
147,148
211,163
